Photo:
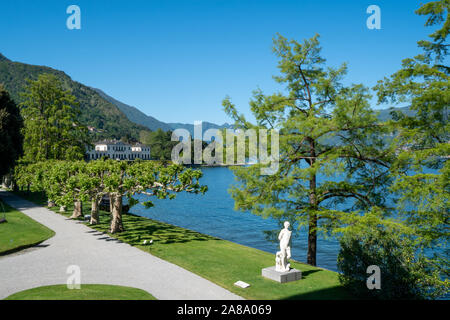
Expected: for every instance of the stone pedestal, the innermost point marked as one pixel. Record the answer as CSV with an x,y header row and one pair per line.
x,y
282,277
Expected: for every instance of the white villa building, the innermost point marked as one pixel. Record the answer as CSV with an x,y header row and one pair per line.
x,y
118,150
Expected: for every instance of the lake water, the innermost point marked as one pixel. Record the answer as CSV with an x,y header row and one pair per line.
x,y
212,213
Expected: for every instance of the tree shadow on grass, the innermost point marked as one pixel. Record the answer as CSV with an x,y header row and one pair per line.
x,y
306,273
37,198
8,197
138,229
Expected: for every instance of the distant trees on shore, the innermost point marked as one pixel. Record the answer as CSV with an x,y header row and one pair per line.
x,y
11,137
160,143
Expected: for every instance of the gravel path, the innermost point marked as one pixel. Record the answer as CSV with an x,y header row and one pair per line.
x,y
102,260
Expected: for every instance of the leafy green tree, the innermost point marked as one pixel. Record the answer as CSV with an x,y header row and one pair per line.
x,y
74,182
149,178
28,176
159,142
422,168
52,129
332,157
11,138
92,186
56,178
405,272
61,184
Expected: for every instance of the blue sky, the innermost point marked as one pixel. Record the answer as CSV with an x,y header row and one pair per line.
x,y
177,60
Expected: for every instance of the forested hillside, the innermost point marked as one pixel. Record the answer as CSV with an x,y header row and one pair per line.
x,y
137,116
105,117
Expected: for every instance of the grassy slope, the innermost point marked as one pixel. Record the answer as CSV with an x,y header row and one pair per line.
x,y
223,262
86,292
20,231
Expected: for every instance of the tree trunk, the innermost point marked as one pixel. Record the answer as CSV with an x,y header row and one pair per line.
x,y
77,210
94,211
116,221
312,228
111,202
312,240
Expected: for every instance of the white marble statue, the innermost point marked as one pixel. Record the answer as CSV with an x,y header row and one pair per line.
x,y
282,256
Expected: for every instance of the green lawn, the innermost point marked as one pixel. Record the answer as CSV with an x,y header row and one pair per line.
x,y
20,231
223,262
86,292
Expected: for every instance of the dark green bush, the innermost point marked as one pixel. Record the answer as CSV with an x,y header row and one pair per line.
x,y
405,272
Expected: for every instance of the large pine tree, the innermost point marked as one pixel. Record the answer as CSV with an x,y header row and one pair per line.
x,y
52,129
332,157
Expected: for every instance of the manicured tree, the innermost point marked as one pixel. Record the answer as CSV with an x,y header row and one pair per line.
x,y
36,177
422,139
28,176
52,129
11,138
149,178
54,177
114,185
94,185
62,184
332,157
88,185
72,182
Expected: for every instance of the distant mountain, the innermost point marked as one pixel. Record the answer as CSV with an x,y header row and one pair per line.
x,y
107,119
110,117
385,114
137,116
205,126
134,114
3,58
